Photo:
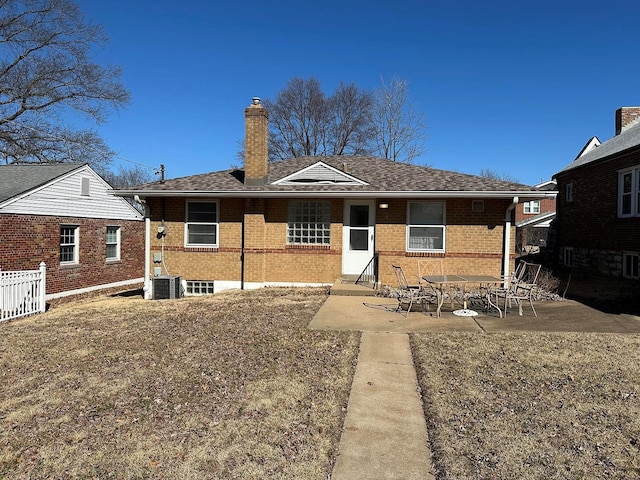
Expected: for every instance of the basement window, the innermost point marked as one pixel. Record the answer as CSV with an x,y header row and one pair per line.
x,y
630,262
199,287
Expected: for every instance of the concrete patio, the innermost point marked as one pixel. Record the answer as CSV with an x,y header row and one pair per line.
x,y
377,314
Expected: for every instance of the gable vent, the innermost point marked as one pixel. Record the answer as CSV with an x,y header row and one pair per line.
x,y
84,188
320,173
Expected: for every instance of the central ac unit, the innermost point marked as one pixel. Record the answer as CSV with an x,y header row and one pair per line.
x,y
165,287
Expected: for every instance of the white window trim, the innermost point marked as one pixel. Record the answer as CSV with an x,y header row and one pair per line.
x,y
117,244
526,208
635,192
76,245
443,226
187,223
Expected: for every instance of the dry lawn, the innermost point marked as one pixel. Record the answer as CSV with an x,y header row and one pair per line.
x,y
224,387
531,406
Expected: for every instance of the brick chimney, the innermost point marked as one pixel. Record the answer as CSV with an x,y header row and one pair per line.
x,y
256,154
625,116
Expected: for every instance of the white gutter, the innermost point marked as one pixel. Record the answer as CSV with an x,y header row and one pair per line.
x,y
526,194
147,247
506,257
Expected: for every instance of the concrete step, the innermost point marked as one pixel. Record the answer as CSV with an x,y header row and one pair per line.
x,y
347,287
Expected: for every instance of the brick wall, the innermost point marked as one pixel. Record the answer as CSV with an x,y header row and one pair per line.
x,y
474,242
27,240
590,223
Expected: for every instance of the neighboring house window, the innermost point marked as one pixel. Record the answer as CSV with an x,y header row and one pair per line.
x,y
568,257
629,193
532,207
568,192
201,229
69,243
630,265
309,222
426,226
113,243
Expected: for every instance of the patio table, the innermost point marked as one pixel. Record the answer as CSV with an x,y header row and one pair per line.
x,y
446,283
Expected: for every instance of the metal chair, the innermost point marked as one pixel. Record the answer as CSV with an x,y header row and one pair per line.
x,y
408,293
520,289
427,268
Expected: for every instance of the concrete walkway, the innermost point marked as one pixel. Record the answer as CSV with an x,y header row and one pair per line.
x,y
384,435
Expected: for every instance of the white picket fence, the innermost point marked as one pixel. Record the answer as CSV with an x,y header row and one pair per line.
x,y
22,292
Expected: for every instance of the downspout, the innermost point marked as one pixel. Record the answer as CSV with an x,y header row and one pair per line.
x,y
506,256
242,265
147,247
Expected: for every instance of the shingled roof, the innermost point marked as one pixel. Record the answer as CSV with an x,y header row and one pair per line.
x,y
626,140
18,179
379,175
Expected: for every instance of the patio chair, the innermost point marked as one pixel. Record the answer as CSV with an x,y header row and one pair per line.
x,y
428,268
520,289
408,293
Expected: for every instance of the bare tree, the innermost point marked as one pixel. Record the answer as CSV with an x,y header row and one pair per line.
x,y
492,174
129,176
45,73
303,121
399,131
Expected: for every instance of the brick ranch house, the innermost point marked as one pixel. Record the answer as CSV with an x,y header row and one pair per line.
x,y
309,220
63,215
598,210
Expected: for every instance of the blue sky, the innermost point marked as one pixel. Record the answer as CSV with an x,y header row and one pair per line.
x,y
515,87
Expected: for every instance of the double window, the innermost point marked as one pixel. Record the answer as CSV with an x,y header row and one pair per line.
x,y
201,229
309,222
629,192
426,226
69,244
113,243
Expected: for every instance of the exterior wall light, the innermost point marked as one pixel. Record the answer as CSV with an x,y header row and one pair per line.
x,y
383,205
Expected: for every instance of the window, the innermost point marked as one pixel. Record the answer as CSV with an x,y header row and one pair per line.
x,y
69,239
425,226
477,206
629,193
309,222
532,207
113,243
630,265
568,192
567,259
200,287
201,228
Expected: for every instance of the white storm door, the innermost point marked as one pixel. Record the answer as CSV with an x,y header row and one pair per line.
x,y
358,235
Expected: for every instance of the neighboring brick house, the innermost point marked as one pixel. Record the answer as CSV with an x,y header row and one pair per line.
x,y
64,215
598,209
309,220
533,219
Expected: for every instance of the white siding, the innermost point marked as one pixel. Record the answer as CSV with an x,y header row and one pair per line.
x,y
63,197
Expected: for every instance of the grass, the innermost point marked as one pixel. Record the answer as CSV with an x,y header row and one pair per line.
x,y
531,406
236,386
223,387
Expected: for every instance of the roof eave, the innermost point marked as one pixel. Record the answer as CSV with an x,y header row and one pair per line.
x,y
525,194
